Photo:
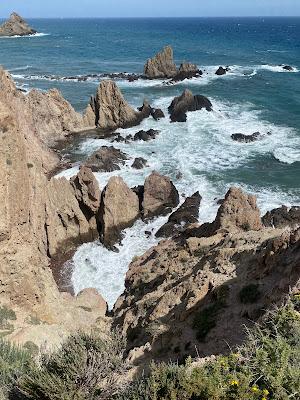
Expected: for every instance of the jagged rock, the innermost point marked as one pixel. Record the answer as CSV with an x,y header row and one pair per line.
x,y
87,192
160,196
238,210
139,163
187,102
119,210
16,26
109,110
106,159
187,71
288,68
187,213
221,71
53,116
240,137
161,66
146,135
282,217
157,114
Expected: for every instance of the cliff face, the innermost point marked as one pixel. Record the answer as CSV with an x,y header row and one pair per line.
x,y
16,26
38,217
193,294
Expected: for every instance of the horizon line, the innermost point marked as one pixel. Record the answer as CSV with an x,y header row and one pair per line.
x,y
162,17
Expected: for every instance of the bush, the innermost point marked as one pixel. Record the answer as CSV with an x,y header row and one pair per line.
x,y
266,367
85,367
250,294
14,361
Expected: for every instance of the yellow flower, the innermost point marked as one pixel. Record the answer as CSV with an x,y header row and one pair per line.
x,y
263,398
234,382
266,392
255,389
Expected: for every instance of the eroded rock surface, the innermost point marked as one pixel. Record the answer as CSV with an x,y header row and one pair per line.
x,y
282,217
187,102
16,26
162,65
106,159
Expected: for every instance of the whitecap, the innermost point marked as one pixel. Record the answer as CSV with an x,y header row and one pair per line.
x,y
38,34
287,155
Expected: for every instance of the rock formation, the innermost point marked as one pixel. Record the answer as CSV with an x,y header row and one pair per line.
x,y
139,163
146,135
187,102
161,66
187,213
187,71
16,26
38,219
282,217
106,159
119,210
184,296
146,110
53,116
221,71
240,137
160,196
109,110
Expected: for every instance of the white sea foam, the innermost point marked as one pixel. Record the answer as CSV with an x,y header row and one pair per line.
x,y
287,154
276,68
197,148
38,34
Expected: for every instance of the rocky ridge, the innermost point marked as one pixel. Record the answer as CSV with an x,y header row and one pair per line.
x,y
16,26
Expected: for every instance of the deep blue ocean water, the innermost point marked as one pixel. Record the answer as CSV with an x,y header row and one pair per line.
x,y
257,95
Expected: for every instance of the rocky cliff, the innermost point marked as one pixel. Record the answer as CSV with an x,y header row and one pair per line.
x,y
16,26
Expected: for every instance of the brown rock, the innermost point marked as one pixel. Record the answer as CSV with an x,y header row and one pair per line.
x,y
16,26
187,102
187,213
139,163
161,66
109,110
106,159
91,299
282,217
87,191
53,116
119,210
160,195
187,71
238,210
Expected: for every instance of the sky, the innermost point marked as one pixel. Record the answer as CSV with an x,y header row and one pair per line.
x,y
149,8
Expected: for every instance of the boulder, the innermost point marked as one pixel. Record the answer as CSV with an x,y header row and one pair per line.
x,y
54,117
16,26
282,217
87,191
160,196
106,159
139,163
221,71
187,213
119,210
157,114
187,102
187,71
240,137
146,135
238,211
161,66
91,299
109,110
288,68
146,111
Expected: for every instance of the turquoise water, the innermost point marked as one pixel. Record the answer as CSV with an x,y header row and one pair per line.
x,y
257,95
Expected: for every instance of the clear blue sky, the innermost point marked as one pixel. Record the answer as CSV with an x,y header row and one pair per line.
x,y
149,8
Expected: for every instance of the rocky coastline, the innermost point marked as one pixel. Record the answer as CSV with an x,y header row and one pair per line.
x,y
194,268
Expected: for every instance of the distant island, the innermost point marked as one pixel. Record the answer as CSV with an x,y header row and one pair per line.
x,y
16,26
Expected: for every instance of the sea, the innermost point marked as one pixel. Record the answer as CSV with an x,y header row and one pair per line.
x,y
257,94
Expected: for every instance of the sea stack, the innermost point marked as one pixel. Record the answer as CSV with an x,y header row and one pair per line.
x,y
16,26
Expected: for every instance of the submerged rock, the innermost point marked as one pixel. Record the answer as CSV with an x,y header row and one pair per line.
x,y
146,135
221,71
187,102
160,195
187,213
288,68
139,163
16,26
161,66
119,210
282,217
106,159
240,137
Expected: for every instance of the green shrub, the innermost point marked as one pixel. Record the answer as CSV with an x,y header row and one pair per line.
x,y
266,367
249,294
6,314
14,361
85,367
